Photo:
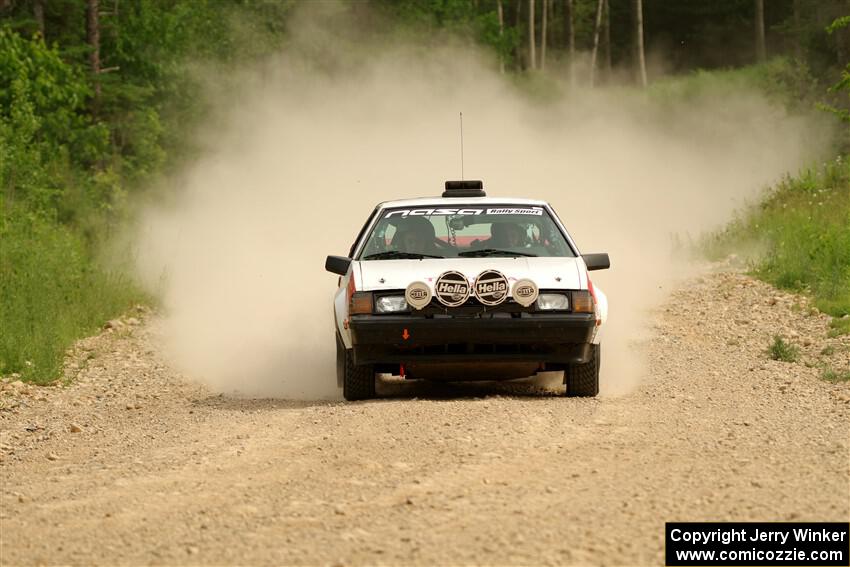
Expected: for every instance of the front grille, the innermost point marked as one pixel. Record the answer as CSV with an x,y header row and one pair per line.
x,y
474,308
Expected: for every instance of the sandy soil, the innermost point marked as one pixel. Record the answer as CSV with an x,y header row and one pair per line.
x,y
130,464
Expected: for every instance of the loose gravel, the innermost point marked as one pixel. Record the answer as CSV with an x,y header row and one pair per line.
x,y
126,462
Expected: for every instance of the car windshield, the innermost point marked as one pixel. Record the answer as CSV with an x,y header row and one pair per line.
x,y
468,231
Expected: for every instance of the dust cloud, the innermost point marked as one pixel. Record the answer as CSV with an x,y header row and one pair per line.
x,y
295,164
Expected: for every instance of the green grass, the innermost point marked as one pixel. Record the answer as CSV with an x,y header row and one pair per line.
x,y
782,351
802,228
51,293
831,375
839,327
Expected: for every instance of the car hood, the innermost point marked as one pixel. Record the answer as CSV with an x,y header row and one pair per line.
x,y
547,273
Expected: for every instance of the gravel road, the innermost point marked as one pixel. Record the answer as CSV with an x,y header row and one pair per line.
x,y
130,464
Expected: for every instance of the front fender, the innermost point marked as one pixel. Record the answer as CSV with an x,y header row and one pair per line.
x,y
602,310
341,309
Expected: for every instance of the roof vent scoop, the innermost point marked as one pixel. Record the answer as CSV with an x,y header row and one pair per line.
x,y
464,189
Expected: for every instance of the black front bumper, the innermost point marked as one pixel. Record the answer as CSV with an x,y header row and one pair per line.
x,y
502,337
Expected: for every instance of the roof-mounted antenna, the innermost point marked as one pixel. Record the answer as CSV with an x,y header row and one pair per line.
x,y
461,146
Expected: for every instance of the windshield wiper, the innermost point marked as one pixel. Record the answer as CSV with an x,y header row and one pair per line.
x,y
492,252
398,255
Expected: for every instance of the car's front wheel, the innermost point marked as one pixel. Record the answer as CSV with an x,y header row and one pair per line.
x,y
358,382
583,379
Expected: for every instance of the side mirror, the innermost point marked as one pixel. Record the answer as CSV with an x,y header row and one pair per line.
x,y
596,261
337,265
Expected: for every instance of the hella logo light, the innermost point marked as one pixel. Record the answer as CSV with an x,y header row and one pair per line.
x,y
491,287
452,289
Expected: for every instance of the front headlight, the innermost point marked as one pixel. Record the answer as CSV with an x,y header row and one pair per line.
x,y
553,302
391,304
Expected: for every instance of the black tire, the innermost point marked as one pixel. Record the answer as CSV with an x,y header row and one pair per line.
x,y
358,382
583,379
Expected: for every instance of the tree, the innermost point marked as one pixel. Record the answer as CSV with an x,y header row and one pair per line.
x,y
543,30
595,51
532,40
798,31
840,29
93,38
38,15
761,51
517,24
501,12
844,83
641,56
607,38
569,17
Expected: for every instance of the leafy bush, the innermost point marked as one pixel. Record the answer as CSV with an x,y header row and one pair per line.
x,y
54,91
782,351
48,140
784,81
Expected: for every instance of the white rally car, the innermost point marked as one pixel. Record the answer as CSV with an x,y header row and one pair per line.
x,y
466,287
